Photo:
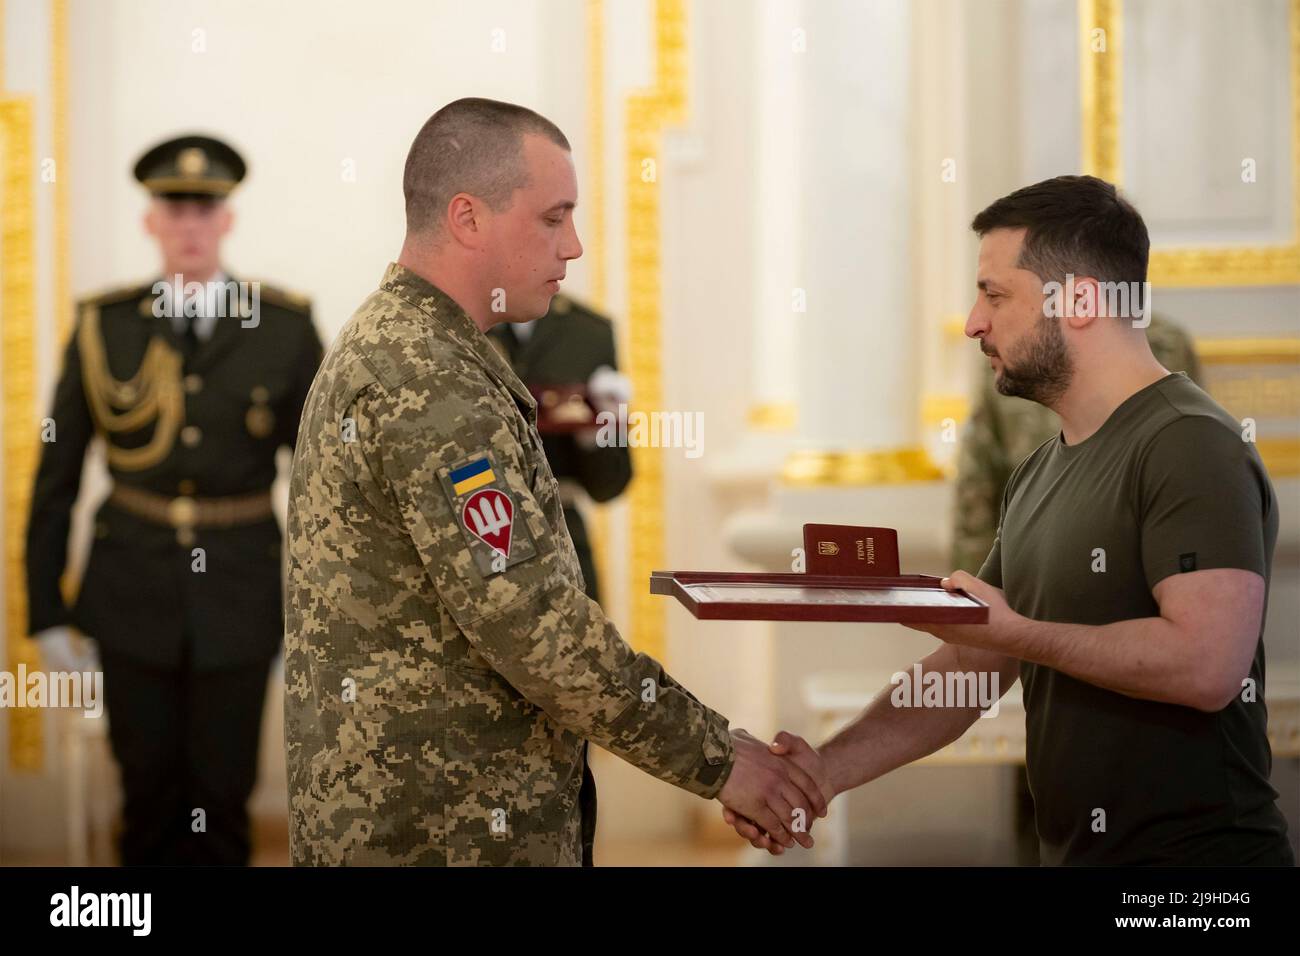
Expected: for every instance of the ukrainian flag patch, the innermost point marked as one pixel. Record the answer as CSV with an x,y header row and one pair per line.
x,y
493,522
474,475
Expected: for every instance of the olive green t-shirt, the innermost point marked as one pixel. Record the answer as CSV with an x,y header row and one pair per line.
x,y
1166,486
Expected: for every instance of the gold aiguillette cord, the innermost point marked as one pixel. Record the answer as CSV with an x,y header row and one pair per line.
x,y
154,392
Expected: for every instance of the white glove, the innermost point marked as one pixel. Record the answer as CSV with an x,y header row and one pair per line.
x,y
607,389
61,650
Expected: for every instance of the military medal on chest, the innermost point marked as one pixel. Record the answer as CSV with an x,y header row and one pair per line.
x,y
260,420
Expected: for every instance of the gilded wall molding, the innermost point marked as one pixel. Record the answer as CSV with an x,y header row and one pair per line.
x,y
1101,96
1253,351
59,132
649,112
1100,86
596,246
893,466
1259,377
18,352
773,416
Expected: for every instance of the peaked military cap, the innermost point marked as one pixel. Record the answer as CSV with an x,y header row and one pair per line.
x,y
190,166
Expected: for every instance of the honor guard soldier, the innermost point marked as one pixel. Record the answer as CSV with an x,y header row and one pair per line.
x,y
569,352
193,382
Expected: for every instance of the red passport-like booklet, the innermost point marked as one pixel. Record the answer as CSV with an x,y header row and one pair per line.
x,y
848,549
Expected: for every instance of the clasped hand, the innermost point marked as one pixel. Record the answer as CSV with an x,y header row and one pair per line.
x,y
775,791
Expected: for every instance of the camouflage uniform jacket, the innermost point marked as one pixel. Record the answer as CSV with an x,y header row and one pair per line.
x,y
444,669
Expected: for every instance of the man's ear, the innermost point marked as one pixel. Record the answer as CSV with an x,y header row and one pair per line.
x,y
463,222
1087,304
227,218
150,218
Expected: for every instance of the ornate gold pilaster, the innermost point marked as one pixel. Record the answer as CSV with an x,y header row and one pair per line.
x,y
1101,21
595,186
648,113
59,117
18,353
596,242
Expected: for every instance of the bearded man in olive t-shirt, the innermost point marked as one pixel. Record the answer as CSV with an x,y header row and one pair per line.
x,y
1128,583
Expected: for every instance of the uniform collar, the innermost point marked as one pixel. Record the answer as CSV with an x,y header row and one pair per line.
x,y
209,330
442,308
522,352
205,307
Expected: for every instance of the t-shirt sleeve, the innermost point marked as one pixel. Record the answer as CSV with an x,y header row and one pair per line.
x,y
1204,501
991,571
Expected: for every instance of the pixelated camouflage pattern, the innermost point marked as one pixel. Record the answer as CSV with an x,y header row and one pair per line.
x,y
474,694
1002,431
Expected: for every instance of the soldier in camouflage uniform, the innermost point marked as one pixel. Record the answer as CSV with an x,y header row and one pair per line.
x,y
444,669
1001,433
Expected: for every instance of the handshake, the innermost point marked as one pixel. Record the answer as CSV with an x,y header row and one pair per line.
x,y
775,791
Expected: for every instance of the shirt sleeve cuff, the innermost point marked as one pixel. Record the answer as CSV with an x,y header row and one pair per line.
x,y
716,759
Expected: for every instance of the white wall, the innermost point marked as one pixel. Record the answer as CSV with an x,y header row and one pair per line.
x,y
301,90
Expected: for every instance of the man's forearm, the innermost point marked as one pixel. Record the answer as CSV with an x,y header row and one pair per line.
x,y
885,737
1195,653
1145,657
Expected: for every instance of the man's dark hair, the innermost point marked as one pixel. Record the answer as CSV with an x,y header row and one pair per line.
x,y
1074,224
470,146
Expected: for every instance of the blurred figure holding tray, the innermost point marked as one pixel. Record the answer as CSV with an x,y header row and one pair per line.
x,y
567,360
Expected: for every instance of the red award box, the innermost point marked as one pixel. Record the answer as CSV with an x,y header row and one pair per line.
x,y
563,409
902,599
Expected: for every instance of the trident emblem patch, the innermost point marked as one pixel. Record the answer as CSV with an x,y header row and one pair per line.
x,y
489,515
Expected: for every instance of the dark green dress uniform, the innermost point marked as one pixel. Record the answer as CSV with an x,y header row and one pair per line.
x,y
567,345
182,589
